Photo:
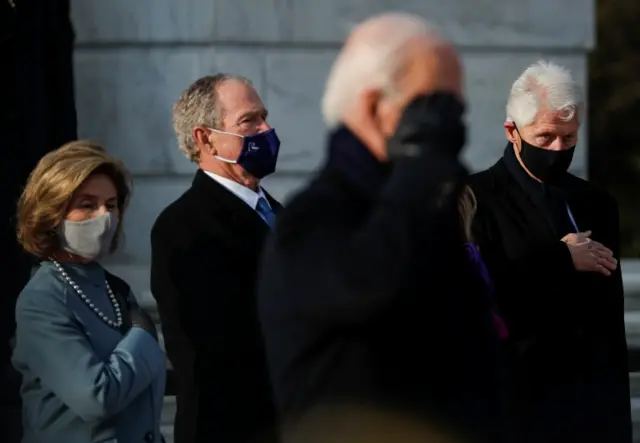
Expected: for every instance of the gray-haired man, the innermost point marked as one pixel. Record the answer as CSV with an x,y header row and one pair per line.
x,y
205,251
550,240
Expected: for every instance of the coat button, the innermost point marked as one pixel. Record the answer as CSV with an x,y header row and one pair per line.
x,y
148,437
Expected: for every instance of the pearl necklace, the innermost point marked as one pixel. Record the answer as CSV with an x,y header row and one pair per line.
x,y
116,307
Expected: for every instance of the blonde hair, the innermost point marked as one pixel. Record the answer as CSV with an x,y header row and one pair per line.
x,y
46,197
467,206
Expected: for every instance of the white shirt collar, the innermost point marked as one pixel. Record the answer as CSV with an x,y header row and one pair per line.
x,y
249,196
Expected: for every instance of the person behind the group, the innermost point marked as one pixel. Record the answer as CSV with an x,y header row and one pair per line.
x,y
467,206
205,252
366,297
92,369
551,241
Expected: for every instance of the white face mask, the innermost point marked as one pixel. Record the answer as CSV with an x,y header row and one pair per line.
x,y
91,238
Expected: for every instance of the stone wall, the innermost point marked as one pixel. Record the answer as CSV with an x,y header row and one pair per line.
x,y
133,58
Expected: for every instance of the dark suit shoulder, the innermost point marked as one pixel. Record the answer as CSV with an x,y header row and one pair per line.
x,y
311,199
596,194
175,215
486,182
275,204
320,205
481,177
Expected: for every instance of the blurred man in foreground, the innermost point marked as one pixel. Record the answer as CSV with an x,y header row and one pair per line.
x,y
549,240
366,296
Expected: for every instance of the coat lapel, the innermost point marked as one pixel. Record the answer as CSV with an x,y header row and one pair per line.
x,y
526,209
275,205
245,227
581,209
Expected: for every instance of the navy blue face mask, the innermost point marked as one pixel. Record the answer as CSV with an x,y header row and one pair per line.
x,y
259,153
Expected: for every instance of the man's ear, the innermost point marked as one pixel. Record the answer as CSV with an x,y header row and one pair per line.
x,y
511,132
366,121
369,106
203,139
387,110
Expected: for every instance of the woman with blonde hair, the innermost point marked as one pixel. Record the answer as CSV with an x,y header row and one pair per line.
x,y
91,365
467,206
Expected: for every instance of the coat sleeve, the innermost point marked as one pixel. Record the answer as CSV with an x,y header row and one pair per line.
x,y
348,275
175,295
202,293
615,365
58,353
529,275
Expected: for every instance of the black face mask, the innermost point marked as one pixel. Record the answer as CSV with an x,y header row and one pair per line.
x,y
546,165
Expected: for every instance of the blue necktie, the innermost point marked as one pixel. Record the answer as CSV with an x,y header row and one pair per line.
x,y
266,212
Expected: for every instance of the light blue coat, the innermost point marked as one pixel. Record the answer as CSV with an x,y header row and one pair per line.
x,y
83,381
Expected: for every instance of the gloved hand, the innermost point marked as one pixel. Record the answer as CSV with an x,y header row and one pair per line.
x,y
432,122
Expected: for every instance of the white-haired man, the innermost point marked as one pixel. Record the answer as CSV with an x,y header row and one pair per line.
x,y
365,297
550,240
204,264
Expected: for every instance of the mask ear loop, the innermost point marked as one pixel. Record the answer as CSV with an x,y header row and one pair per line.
x,y
515,127
519,136
210,143
222,159
226,160
224,132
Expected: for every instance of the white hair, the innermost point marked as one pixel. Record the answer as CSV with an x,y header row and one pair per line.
x,y
372,64
544,86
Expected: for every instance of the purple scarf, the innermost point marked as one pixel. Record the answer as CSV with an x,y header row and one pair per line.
x,y
481,269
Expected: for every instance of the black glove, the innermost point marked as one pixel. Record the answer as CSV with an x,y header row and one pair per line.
x,y
140,319
431,122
